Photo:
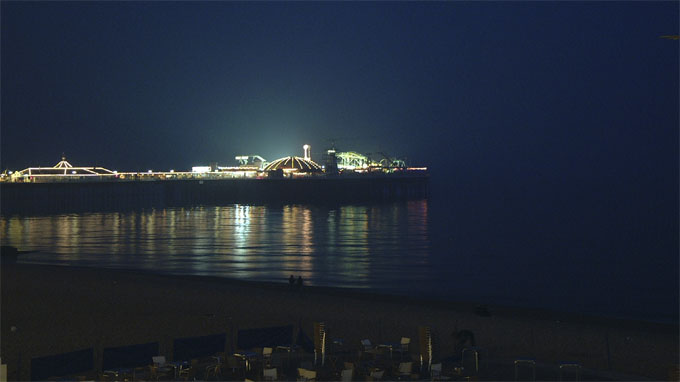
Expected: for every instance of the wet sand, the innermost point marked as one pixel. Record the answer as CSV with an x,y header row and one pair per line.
x,y
60,309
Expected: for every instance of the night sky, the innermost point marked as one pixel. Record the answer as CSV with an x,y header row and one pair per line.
x,y
551,126
500,89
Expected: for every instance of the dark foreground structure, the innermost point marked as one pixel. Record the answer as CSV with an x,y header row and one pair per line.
x,y
109,324
55,197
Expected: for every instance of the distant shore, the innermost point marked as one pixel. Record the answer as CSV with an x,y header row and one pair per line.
x,y
57,309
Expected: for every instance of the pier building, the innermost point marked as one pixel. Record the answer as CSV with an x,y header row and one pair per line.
x,y
249,166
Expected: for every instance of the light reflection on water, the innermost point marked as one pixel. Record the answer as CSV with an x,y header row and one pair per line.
x,y
425,248
363,246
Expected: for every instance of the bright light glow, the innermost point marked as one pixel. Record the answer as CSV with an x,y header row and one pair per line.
x,y
115,171
305,149
150,171
200,169
172,170
73,172
11,172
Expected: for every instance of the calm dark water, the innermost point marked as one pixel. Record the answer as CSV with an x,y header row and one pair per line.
x,y
513,249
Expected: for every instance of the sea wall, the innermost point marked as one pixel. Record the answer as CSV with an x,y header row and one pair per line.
x,y
31,198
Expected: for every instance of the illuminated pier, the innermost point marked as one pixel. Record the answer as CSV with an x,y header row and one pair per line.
x,y
250,166
67,188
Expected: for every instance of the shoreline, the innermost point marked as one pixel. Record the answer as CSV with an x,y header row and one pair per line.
x,y
65,308
367,294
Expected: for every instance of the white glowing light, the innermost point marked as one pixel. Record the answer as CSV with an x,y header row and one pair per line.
x,y
73,172
200,169
172,170
150,171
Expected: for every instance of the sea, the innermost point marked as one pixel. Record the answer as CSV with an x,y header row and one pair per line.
x,y
480,245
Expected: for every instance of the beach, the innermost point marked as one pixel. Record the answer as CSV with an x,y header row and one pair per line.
x,y
48,310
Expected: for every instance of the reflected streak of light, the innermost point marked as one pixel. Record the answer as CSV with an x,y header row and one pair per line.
x,y
349,244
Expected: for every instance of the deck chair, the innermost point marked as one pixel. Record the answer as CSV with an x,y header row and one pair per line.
x,y
158,361
367,347
189,373
525,369
570,371
436,371
158,373
267,357
405,369
236,364
306,375
403,346
347,375
213,372
269,374
141,373
377,375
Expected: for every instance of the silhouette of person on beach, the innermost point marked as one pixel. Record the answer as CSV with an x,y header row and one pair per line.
x,y
299,282
291,281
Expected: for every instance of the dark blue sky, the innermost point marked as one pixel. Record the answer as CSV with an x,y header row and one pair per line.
x,y
507,88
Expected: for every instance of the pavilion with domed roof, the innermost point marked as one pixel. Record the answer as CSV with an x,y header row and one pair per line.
x,y
295,164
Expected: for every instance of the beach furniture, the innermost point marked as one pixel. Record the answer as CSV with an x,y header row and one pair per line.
x,y
236,364
161,370
306,375
400,347
141,373
570,371
470,360
117,375
376,375
403,346
213,372
187,371
158,374
267,356
247,357
367,347
158,361
525,369
404,370
270,374
436,371
346,375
